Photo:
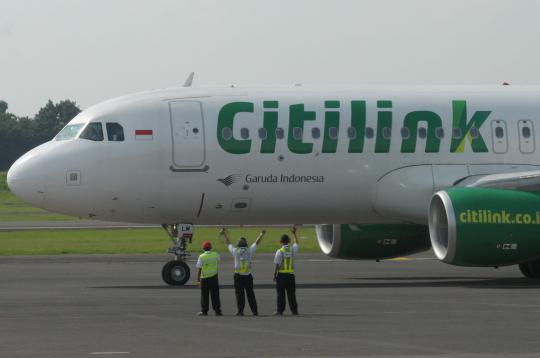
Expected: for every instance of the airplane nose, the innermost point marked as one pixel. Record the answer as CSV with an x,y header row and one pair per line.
x,y
26,179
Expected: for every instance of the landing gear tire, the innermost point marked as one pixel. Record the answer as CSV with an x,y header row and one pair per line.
x,y
175,273
530,269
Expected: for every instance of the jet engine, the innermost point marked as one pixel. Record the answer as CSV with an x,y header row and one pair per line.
x,y
485,226
372,242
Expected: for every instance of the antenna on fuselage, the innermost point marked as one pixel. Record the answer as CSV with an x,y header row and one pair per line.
x,y
189,80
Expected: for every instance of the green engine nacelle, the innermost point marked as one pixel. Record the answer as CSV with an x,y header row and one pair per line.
x,y
484,226
372,242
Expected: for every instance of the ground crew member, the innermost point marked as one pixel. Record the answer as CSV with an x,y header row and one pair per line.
x,y
207,277
284,274
243,280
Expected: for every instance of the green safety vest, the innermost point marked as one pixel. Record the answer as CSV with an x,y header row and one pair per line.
x,y
287,264
244,260
209,261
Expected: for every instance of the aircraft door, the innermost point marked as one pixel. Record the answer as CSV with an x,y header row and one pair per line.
x,y
526,136
187,127
499,136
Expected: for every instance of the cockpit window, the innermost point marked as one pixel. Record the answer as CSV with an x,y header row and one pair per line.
x,y
69,132
115,132
93,131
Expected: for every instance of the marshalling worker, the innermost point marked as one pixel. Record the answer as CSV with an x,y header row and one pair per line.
x,y
284,274
243,279
207,278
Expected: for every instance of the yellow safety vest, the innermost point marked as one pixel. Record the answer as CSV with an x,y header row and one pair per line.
x,y
209,261
287,264
244,260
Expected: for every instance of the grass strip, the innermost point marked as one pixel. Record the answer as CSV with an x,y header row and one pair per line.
x,y
133,241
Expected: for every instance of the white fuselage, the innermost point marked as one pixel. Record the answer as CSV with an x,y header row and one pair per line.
x,y
180,142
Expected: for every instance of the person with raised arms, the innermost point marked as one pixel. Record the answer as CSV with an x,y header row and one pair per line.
x,y
243,279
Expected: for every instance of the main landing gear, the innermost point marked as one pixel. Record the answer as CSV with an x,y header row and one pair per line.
x,y
177,272
530,269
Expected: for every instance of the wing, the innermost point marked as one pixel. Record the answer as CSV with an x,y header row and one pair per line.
x,y
522,181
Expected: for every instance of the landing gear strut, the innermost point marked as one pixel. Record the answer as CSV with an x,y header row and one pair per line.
x,y
530,269
176,272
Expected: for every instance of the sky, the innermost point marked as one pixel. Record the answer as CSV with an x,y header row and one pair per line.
x,y
92,50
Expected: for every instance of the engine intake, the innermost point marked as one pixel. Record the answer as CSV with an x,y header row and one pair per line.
x,y
485,226
371,242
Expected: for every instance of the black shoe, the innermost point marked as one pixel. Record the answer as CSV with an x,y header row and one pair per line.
x,y
239,313
295,313
202,313
278,313
218,313
255,313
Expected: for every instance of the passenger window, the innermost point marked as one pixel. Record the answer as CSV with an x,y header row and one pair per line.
x,y
422,132
115,132
474,132
369,132
499,132
93,131
226,133
439,132
280,133
405,133
297,133
315,133
333,133
244,133
526,132
351,133
386,133
263,133
457,133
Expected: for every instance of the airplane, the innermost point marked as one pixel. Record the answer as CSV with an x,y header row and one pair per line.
x,y
381,171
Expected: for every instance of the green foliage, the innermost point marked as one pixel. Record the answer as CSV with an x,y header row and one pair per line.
x,y
3,107
53,117
20,134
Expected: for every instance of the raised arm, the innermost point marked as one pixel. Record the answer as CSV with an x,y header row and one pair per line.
x,y
259,238
225,236
293,230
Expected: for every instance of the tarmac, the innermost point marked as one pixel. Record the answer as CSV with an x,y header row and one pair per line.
x,y
108,305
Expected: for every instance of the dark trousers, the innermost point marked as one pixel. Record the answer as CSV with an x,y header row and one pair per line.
x,y
210,287
244,283
285,282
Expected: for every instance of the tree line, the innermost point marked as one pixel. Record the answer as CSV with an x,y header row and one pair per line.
x,y
20,134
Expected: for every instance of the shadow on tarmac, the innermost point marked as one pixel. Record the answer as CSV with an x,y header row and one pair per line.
x,y
395,282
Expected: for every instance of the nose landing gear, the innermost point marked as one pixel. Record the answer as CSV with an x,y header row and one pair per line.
x,y
177,272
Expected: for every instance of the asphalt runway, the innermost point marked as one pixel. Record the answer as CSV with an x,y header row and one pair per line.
x,y
86,306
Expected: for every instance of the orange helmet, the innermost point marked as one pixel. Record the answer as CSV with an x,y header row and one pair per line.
x,y
207,245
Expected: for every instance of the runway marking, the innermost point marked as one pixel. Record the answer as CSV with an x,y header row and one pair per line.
x,y
399,259
107,353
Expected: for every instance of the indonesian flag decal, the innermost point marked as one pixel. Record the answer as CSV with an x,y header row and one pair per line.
x,y
144,134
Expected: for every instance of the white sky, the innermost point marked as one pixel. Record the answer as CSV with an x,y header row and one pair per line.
x,y
92,50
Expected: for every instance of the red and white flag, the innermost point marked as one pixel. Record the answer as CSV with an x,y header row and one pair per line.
x,y
144,134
